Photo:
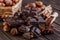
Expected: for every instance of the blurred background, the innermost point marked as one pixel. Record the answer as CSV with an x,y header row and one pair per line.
x,y
56,36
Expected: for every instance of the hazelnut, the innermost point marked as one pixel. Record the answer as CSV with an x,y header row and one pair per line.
x,y
6,28
42,7
14,31
5,15
8,2
15,1
1,1
27,5
5,23
2,4
39,3
33,5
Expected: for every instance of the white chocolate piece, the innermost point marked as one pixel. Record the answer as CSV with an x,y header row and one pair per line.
x,y
48,10
51,18
55,15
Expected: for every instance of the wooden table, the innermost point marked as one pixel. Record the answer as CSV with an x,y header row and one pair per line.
x,y
56,36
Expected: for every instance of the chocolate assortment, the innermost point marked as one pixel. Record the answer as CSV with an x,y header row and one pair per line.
x,y
8,2
34,19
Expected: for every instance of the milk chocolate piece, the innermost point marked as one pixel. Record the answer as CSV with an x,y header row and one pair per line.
x,y
14,31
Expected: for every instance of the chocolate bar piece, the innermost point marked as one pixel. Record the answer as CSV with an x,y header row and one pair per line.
x,y
36,31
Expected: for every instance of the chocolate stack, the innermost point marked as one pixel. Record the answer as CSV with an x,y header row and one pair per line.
x,y
30,21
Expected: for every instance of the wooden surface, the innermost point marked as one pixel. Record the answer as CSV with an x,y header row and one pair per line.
x,y
56,36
